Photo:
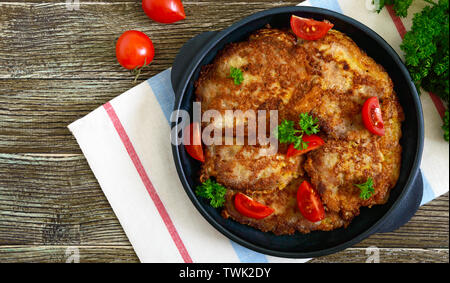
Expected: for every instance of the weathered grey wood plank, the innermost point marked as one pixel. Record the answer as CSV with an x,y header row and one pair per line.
x,y
386,255
34,114
88,254
57,201
48,41
67,254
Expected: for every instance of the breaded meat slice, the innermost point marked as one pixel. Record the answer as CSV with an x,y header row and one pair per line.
x,y
246,167
339,165
345,77
272,72
286,219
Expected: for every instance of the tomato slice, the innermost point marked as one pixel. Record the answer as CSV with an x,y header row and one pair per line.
x,y
314,142
309,29
371,116
193,142
309,202
251,208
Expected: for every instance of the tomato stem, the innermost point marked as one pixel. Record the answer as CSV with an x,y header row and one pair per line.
x,y
137,71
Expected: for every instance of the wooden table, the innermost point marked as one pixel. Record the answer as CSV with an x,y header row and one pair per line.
x,y
57,65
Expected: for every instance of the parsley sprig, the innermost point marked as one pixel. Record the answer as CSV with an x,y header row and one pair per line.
x,y
445,127
287,133
213,191
309,124
237,75
366,188
400,6
426,46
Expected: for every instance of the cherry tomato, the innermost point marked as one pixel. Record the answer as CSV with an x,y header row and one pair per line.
x,y
193,142
164,11
309,29
309,202
371,116
134,49
313,143
251,208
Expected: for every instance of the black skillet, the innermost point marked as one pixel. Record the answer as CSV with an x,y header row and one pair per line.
x,y
405,197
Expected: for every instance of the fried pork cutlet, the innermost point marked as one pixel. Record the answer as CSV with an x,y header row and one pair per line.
x,y
286,218
330,79
271,76
250,168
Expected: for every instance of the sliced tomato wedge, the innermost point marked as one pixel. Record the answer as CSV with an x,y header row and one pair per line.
x,y
309,29
251,208
314,142
193,142
371,116
309,202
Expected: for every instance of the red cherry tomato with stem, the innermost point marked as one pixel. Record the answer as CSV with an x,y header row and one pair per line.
x,y
134,51
251,208
371,116
314,142
309,29
193,142
309,202
164,11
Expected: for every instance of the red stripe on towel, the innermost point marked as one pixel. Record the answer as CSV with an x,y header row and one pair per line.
x,y
147,183
397,21
402,31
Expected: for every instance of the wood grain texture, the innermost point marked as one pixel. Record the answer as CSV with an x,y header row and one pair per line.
x,y
34,114
59,202
81,44
58,65
121,254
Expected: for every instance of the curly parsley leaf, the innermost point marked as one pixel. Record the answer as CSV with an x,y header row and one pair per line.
x,y
286,132
426,46
300,144
237,75
400,6
213,191
366,188
445,126
308,124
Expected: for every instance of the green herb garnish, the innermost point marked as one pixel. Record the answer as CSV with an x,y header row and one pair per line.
x,y
237,75
400,6
445,126
426,46
366,188
213,191
309,124
286,132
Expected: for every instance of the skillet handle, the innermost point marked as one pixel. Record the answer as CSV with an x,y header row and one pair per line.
x,y
185,56
406,209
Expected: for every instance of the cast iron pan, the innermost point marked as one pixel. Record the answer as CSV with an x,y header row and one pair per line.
x,y
405,197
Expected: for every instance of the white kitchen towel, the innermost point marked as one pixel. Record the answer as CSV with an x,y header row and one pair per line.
x,y
127,145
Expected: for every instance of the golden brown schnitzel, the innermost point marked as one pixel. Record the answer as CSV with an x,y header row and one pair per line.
x,y
330,79
286,218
